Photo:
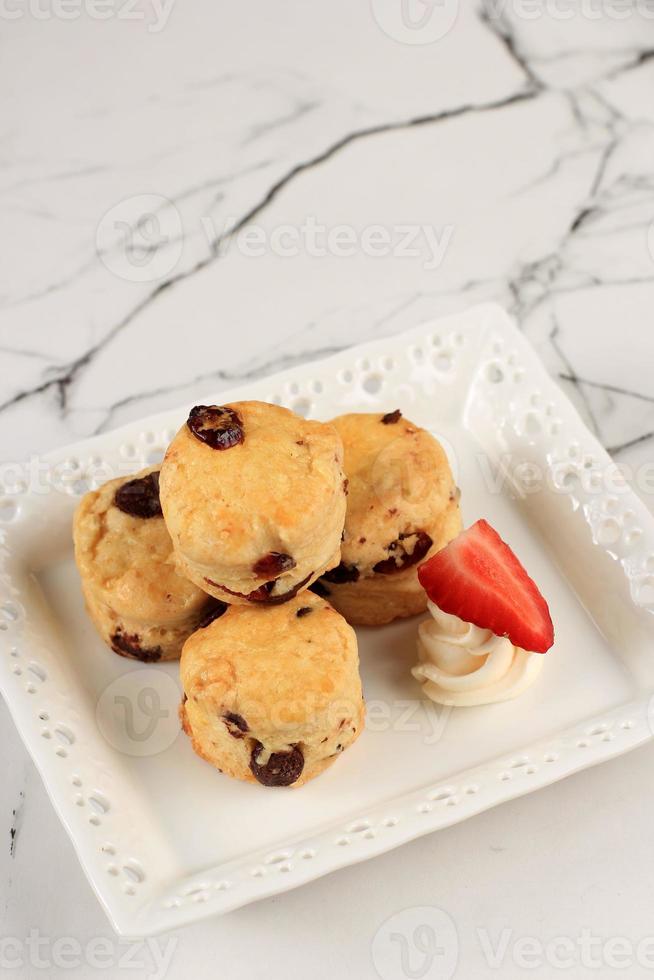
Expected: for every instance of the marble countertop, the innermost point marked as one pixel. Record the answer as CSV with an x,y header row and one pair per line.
x,y
196,195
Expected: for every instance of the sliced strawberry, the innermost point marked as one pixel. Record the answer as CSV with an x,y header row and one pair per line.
x,y
479,579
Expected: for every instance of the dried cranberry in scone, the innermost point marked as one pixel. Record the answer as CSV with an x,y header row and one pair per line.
x,y
140,497
410,548
273,564
219,427
280,768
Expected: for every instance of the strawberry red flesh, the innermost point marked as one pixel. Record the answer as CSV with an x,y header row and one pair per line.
x,y
479,579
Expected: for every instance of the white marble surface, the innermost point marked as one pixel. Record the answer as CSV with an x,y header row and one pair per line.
x,y
527,145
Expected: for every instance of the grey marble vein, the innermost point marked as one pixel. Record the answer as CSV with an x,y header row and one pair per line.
x,y
630,443
605,386
62,380
492,15
571,374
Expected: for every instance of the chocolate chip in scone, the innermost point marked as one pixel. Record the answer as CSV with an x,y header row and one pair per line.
x,y
346,484
319,588
392,417
303,611
237,726
216,425
214,611
129,645
342,573
140,497
273,564
281,769
407,550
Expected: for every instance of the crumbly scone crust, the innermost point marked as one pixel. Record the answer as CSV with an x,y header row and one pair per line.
x,y
279,491
400,484
273,677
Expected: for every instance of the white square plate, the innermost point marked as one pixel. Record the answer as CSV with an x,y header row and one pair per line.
x,y
163,838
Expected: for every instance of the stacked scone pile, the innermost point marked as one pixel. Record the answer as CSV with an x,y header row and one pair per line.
x,y
245,556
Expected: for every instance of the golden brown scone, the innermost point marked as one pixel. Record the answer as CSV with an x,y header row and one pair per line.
x,y
273,695
140,603
402,507
254,499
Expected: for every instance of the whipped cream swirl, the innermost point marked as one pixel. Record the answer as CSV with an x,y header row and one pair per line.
x,y
462,665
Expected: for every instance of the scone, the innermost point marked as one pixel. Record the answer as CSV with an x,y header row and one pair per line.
x,y
403,506
140,603
273,695
254,498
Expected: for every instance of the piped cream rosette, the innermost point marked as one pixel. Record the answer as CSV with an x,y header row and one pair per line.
x,y
463,665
